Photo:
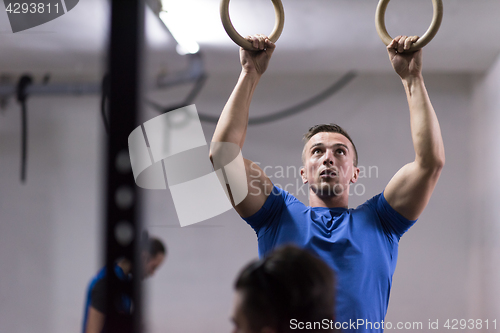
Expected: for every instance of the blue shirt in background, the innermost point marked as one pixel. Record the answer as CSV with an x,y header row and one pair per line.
x,y
96,294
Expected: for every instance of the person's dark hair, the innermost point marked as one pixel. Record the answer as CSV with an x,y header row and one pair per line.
x,y
290,283
334,128
155,247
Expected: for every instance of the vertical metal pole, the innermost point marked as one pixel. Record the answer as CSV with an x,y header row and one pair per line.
x,y
122,203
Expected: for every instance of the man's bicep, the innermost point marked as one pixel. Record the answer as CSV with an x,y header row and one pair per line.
x,y
259,188
95,321
409,191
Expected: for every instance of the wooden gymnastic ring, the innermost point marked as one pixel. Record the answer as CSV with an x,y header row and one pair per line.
x,y
237,38
422,41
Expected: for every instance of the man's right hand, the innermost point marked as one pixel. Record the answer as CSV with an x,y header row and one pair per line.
x,y
257,61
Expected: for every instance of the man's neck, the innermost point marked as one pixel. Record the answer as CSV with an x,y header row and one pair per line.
x,y
328,201
125,265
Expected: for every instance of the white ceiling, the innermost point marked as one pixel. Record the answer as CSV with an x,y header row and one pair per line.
x,y
319,36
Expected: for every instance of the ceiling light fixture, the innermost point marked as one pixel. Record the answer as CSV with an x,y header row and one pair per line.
x,y
172,16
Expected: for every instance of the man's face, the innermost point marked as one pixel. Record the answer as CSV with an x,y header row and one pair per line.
x,y
240,319
329,164
151,264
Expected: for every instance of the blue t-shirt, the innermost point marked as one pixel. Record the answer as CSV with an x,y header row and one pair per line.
x,y
96,294
360,245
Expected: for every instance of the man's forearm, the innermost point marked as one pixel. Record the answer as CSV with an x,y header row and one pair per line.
x,y
426,134
233,122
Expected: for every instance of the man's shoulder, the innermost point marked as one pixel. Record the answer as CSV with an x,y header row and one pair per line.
x,y
101,276
368,209
98,287
370,203
278,202
288,197
378,209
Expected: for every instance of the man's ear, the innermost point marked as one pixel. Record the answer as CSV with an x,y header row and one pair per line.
x,y
303,175
355,176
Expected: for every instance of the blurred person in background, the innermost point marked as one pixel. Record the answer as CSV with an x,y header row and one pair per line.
x,y
94,317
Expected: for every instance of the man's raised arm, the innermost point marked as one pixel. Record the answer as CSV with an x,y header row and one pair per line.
x,y
233,122
409,191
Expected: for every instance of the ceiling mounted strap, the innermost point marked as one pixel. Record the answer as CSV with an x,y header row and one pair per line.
x,y
22,96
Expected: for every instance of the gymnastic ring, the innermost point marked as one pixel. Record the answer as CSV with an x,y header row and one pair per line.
x,y
237,38
437,17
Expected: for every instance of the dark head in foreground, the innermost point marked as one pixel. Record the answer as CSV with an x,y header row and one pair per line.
x,y
289,286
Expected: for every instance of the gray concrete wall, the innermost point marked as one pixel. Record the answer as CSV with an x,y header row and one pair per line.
x,y
485,255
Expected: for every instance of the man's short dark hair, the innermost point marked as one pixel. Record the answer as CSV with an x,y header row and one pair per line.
x,y
155,247
334,128
290,283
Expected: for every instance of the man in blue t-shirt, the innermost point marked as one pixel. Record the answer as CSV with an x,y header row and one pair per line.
x,y
360,244
94,317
